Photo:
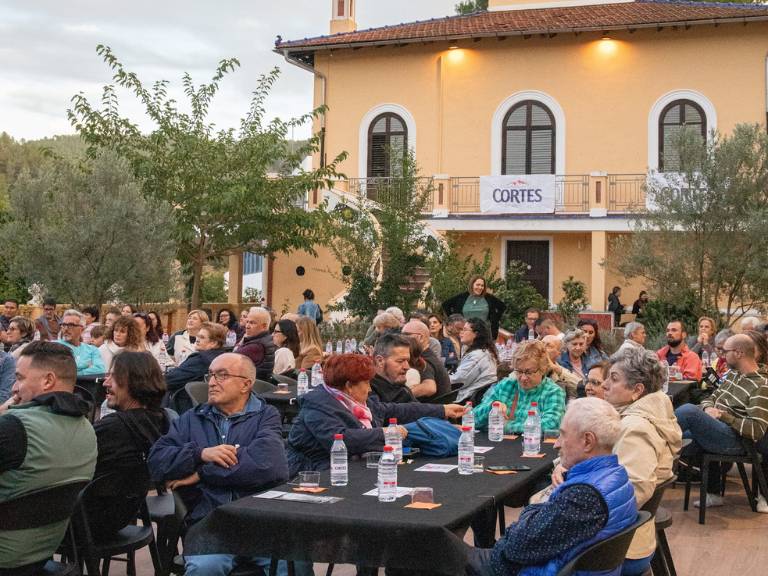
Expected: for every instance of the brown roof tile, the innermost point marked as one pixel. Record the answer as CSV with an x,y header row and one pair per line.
x,y
552,20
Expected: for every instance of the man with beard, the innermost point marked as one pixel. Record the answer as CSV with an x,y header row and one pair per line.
x,y
737,409
391,358
676,352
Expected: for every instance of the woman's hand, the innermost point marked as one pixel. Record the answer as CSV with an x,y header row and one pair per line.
x,y
454,411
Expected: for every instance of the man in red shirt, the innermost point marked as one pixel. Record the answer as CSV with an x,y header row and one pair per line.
x,y
676,352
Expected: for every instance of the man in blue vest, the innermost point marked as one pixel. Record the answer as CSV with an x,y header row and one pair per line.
x,y
595,502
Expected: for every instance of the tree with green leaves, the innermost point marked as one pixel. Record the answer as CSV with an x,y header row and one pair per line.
x,y
704,232
85,233
574,301
470,6
218,181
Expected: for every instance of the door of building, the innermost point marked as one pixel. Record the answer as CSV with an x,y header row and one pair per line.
x,y
535,255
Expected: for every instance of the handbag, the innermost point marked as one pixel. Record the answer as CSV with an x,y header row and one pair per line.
x,y
435,437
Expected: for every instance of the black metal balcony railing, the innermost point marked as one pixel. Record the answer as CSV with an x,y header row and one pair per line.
x,y
393,189
572,194
626,192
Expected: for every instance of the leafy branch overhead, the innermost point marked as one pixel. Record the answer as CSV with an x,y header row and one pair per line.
x,y
218,181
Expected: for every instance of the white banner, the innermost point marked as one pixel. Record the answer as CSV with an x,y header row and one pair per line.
x,y
674,185
518,194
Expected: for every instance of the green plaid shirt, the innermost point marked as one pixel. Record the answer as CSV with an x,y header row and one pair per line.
x,y
549,396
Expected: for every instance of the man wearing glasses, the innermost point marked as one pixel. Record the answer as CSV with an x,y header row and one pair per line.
x,y
737,409
223,450
87,357
48,324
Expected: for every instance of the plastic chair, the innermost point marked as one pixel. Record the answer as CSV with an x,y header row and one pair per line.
x,y
262,386
197,391
662,561
86,395
101,522
607,554
751,456
41,508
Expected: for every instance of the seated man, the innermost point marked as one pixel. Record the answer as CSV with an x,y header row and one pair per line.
x,y
634,336
87,357
44,440
596,501
528,330
391,357
548,327
257,343
435,380
738,408
249,458
676,352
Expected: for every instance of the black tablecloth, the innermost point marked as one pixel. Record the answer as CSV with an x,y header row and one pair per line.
x,y
280,399
680,391
360,529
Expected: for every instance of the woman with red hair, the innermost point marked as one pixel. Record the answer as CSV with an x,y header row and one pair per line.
x,y
342,406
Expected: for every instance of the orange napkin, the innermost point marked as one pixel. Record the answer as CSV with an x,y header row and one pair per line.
x,y
282,391
310,490
502,472
510,437
550,440
534,456
423,505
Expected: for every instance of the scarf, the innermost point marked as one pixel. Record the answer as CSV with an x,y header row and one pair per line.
x,y
358,410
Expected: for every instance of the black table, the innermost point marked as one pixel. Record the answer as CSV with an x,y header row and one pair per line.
x,y
680,391
285,402
361,530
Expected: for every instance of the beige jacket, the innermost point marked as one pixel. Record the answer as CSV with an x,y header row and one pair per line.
x,y
650,439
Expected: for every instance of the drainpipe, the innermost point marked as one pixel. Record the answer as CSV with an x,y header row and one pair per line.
x,y
323,92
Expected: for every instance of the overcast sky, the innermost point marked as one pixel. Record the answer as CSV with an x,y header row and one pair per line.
x,y
47,51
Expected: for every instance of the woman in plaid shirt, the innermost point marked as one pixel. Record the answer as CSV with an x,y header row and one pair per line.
x,y
527,384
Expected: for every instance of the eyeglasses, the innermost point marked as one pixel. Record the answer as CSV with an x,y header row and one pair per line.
x,y
593,382
527,373
70,325
220,377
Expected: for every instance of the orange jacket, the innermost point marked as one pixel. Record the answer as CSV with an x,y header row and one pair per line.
x,y
688,362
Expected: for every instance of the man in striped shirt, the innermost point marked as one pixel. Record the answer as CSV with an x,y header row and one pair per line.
x,y
738,409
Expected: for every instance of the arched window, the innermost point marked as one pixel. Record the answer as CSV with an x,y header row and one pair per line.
x,y
673,118
528,139
387,145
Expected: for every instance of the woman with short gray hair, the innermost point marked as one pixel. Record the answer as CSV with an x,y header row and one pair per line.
x,y
575,342
650,437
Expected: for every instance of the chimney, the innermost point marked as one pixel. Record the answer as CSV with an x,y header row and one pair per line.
x,y
343,16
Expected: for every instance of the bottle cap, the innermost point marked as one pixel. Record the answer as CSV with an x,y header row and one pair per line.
x,y
393,420
468,403
531,413
303,370
466,428
338,436
496,404
534,403
388,449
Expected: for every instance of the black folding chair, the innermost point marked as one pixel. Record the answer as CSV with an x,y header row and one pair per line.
x,y
446,398
662,561
86,396
607,554
262,386
197,391
41,508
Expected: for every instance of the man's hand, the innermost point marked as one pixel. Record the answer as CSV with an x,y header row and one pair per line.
x,y
224,455
558,475
12,401
714,412
403,431
454,410
188,481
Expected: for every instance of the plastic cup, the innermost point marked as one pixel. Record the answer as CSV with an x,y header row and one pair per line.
x,y
309,479
422,495
372,459
551,436
479,464
282,387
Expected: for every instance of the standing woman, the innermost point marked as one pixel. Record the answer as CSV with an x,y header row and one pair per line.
x,y
182,343
124,334
615,305
286,338
228,319
152,342
478,365
476,302
594,352
310,343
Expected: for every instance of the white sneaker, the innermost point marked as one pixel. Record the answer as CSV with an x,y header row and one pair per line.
x,y
762,505
713,501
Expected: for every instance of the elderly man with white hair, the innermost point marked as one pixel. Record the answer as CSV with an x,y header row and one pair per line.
x,y
87,357
257,342
595,501
634,336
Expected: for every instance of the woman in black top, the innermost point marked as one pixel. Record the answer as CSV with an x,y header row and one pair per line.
x,y
476,302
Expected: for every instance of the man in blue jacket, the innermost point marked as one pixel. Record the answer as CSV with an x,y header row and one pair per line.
x,y
595,502
226,449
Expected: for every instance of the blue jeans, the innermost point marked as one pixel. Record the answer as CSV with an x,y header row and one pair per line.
x,y
222,564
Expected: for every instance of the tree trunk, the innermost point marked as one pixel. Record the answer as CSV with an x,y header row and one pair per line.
x,y
197,280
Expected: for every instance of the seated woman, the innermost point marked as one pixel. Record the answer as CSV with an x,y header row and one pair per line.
x,y
596,378
448,352
286,338
310,343
21,331
228,319
563,377
124,334
527,384
594,352
342,406
152,342
477,368
208,345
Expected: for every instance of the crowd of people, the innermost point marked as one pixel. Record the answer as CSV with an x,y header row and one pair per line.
x,y
619,434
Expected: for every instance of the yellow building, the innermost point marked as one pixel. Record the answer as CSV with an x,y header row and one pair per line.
x,y
573,98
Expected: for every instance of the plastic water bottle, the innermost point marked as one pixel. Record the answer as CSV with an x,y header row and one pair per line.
x,y
339,346
531,334
496,423
535,408
165,338
468,418
353,346
466,451
393,438
665,374
387,475
347,346
302,383
37,336
317,375
531,435
339,463
329,347
705,360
